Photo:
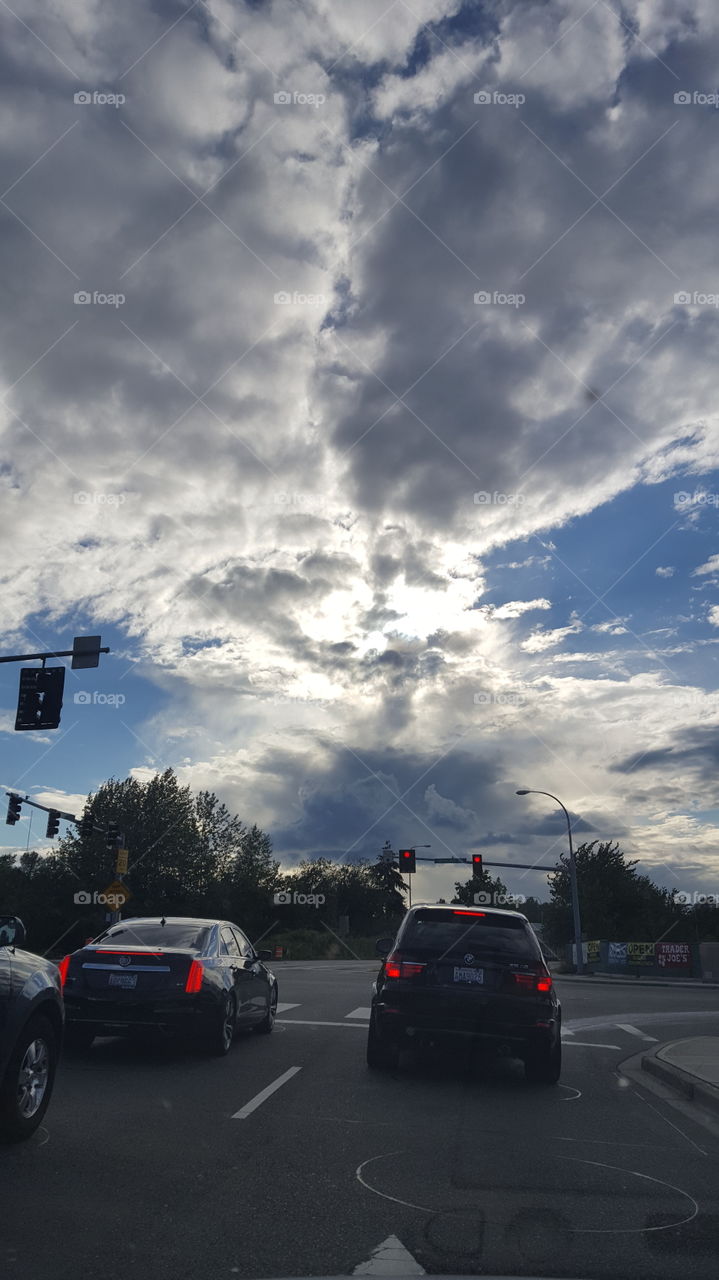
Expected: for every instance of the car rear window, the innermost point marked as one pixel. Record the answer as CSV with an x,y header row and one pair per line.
x,y
152,934
439,932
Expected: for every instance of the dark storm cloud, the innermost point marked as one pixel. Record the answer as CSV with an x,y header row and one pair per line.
x,y
696,749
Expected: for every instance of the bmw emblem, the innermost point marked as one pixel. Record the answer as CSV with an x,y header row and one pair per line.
x,y
469,958
125,959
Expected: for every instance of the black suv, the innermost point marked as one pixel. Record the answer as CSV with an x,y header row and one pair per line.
x,y
456,972
31,1026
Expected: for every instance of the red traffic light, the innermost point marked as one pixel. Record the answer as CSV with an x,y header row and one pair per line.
x,y
477,864
407,861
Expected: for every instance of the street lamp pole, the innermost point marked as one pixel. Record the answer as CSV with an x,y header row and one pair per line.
x,y
530,791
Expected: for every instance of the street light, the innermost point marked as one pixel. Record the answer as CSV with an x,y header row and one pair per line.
x,y
530,791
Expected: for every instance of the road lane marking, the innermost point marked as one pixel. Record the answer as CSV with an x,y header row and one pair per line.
x,y
390,1259
282,1008
566,1032
360,1012
634,1031
257,1101
590,1044
307,1022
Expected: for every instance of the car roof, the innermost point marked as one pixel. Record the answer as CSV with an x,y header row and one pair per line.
x,y
206,924
461,906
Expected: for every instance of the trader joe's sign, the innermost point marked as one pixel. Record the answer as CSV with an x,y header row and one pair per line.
x,y
674,955
640,952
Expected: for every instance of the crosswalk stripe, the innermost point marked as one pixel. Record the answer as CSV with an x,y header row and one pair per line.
x,y
360,1012
634,1031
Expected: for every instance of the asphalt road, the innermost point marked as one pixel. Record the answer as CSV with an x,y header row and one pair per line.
x,y
163,1164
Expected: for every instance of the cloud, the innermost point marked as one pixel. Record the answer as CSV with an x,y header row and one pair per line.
x,y
515,608
665,571
540,640
710,566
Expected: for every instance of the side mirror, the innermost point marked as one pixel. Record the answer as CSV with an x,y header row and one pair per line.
x,y
383,946
264,954
12,932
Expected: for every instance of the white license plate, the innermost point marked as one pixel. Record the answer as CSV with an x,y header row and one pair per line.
x,y
122,980
469,975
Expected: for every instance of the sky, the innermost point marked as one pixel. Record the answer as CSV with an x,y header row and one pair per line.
x,y
357,385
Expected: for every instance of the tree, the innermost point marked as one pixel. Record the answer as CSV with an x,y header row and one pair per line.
x,y
483,884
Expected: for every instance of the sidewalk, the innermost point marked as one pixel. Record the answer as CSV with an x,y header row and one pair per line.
x,y
692,984
690,1066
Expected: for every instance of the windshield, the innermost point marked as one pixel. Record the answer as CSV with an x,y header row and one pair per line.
x,y
439,934
136,933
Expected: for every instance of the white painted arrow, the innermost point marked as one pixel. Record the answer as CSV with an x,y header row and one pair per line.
x,y
390,1259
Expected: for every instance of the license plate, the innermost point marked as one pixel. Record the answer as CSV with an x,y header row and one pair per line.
x,y
469,975
122,980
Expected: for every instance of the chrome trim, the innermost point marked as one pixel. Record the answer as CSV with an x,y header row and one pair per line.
x,y
136,968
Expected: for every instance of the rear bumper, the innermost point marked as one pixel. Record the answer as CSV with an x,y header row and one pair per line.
x,y
493,1030
189,1016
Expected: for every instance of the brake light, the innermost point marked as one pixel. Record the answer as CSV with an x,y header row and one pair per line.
x,y
194,978
524,980
396,968
63,967
544,984
532,981
469,913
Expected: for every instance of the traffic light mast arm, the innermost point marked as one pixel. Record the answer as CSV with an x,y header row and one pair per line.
x,y
60,653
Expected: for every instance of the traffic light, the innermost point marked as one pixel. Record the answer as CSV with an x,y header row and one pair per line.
x,y
14,810
53,823
111,835
407,861
476,865
87,826
40,698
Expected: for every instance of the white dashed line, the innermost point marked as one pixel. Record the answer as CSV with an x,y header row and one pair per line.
x,y
282,1008
360,1012
257,1101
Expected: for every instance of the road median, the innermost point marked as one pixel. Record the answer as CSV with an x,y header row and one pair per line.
x,y
690,1066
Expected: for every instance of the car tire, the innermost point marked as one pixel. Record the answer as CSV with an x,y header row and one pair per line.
x,y
382,1054
220,1039
543,1063
78,1039
264,1027
27,1084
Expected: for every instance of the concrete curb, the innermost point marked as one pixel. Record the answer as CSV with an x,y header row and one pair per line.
x,y
607,981
690,1086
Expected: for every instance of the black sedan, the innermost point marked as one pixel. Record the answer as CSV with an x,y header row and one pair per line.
x,y
194,978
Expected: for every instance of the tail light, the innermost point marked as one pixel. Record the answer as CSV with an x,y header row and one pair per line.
x,y
394,967
194,978
63,967
532,981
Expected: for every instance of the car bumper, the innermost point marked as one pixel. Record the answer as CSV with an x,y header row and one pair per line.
x,y
188,1016
494,1031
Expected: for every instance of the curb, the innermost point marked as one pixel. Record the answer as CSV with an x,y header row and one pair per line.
x,y
689,1086
606,981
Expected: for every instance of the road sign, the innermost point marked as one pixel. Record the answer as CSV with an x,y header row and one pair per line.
x,y
121,863
85,652
117,894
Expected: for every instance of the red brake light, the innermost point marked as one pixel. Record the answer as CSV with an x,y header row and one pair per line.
x,y
544,984
63,966
469,913
396,968
194,978
526,980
